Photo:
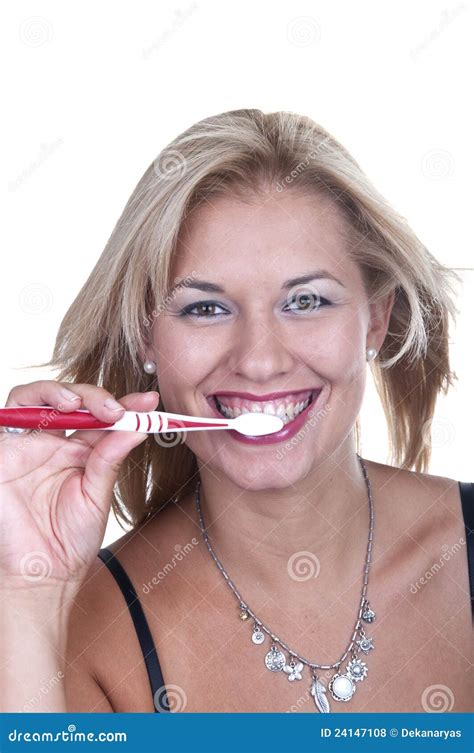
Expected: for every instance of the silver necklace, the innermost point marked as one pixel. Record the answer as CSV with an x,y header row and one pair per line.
x,y
343,682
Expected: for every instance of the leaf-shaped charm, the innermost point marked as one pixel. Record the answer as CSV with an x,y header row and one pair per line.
x,y
318,691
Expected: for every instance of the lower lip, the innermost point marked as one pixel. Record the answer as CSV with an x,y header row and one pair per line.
x,y
288,431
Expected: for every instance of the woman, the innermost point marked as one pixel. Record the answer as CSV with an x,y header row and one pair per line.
x,y
254,265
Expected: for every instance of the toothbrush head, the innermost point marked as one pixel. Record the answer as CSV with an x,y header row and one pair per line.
x,y
257,424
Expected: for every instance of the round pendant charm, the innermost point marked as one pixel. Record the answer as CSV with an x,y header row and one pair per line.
x,y
275,660
257,636
342,688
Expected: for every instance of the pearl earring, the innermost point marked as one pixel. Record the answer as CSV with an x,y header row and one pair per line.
x,y
371,353
149,367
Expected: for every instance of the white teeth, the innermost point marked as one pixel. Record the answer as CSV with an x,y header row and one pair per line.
x,y
287,413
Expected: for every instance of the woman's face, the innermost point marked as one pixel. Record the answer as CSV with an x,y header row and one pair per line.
x,y
262,333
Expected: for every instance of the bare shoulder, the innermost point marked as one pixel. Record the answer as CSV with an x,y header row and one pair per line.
x,y
416,494
101,639
422,545
100,644
422,511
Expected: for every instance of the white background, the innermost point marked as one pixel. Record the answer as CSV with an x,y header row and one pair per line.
x,y
95,90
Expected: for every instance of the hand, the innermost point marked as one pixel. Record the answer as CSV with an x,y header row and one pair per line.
x,y
56,491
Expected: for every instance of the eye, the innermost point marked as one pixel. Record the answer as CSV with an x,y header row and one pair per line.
x,y
202,305
309,301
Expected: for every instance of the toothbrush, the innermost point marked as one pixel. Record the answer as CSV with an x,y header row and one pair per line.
x,y
47,418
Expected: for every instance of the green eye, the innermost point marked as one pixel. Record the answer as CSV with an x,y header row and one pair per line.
x,y
309,302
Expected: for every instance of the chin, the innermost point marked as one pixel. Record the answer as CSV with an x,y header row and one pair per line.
x,y
260,476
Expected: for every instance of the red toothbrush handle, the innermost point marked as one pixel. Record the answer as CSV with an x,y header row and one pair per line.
x,y
49,418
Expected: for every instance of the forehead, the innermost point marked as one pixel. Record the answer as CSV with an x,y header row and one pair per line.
x,y
272,236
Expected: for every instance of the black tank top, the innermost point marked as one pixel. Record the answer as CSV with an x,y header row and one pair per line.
x,y
155,676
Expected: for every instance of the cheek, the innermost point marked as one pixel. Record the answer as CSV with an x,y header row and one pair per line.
x,y
336,351
181,363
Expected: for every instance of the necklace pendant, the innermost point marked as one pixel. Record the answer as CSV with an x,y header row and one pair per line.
x,y
293,670
365,644
368,614
257,636
342,687
318,691
357,670
275,660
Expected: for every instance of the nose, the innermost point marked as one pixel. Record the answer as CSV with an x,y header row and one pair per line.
x,y
259,352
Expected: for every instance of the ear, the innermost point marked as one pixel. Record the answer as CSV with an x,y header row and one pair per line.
x,y
147,353
380,312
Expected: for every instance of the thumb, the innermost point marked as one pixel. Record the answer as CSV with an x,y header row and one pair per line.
x,y
103,465
109,452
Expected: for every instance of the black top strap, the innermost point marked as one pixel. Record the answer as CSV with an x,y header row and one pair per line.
x,y
158,689
467,501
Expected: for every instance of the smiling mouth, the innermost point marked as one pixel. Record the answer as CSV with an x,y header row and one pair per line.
x,y
286,408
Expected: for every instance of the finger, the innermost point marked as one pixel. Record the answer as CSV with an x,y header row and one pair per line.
x,y
103,465
139,401
44,392
67,397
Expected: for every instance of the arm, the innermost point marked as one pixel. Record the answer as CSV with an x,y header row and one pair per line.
x,y
33,645
84,694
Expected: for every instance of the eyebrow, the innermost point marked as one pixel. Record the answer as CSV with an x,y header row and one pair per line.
x,y
211,287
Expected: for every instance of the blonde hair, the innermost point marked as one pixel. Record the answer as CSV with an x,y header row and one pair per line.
x,y
243,153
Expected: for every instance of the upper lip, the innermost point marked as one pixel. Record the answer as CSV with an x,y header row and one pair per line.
x,y
262,398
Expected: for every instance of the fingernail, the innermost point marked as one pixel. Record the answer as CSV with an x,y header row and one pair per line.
x,y
69,395
113,404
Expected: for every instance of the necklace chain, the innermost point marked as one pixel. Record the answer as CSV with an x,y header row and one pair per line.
x,y
261,625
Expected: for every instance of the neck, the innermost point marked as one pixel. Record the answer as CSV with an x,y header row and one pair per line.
x,y
318,527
